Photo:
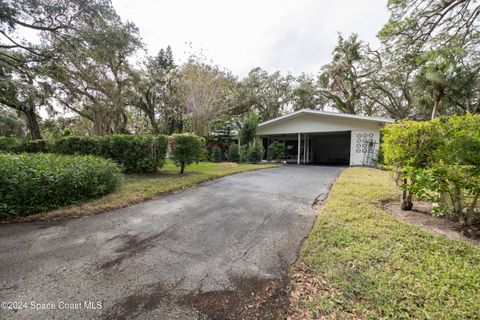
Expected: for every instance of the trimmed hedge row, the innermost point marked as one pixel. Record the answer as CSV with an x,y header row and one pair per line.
x,y
135,153
33,183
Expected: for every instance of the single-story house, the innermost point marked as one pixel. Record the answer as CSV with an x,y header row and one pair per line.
x,y
325,137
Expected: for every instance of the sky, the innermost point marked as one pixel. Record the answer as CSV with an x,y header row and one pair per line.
x,y
287,35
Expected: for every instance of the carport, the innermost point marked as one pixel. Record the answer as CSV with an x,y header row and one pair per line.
x,y
319,137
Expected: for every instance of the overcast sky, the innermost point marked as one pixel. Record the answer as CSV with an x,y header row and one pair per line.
x,y
287,35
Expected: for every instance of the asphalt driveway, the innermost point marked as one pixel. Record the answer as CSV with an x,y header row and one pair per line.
x,y
196,254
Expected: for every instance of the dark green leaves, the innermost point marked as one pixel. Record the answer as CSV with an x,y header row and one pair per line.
x,y
32,183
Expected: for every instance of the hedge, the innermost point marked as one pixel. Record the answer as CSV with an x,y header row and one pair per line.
x,y
135,153
33,183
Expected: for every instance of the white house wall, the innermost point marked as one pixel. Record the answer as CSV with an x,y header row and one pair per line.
x,y
308,123
359,147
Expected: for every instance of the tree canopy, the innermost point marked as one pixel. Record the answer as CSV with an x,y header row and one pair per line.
x,y
79,60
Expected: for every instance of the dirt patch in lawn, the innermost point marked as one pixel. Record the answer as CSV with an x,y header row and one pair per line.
x,y
229,164
252,298
420,216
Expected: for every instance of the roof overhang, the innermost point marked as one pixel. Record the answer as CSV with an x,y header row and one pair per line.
x,y
295,114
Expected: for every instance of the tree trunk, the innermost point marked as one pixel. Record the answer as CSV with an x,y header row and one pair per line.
x,y
469,215
406,201
457,201
436,105
182,167
151,116
32,123
121,123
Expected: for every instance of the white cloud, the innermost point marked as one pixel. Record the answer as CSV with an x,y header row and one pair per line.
x,y
288,35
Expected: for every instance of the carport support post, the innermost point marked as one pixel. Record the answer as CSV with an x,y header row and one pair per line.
x,y
304,148
308,149
298,148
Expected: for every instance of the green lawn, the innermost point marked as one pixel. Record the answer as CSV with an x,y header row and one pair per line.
x,y
138,188
359,262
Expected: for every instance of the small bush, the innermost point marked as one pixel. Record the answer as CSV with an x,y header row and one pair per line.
x,y
216,154
244,153
255,153
187,149
9,144
233,153
32,183
276,150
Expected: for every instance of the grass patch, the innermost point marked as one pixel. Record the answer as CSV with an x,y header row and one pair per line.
x,y
138,188
362,263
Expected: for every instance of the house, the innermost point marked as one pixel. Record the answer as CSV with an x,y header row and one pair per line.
x,y
325,137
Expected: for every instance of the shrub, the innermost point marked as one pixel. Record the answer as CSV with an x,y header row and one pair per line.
x,y
32,183
9,144
216,154
136,153
408,145
34,146
255,153
435,158
244,153
249,128
233,153
187,149
276,150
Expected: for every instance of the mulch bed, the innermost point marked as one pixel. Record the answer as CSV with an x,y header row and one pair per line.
x,y
420,216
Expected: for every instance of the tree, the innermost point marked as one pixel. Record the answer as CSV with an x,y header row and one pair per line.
x,y
440,157
248,128
187,149
156,93
93,76
443,37
442,77
10,124
344,79
457,166
305,94
24,90
40,18
266,94
22,62
415,23
205,92
389,91
407,147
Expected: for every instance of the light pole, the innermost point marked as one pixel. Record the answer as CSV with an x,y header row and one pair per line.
x,y
228,125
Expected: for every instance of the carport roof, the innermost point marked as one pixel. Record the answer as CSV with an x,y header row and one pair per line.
x,y
328,114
